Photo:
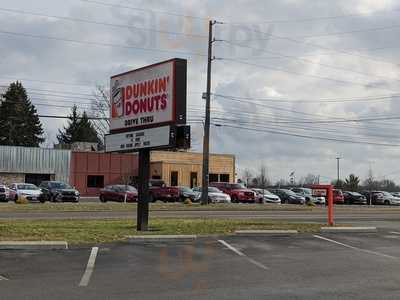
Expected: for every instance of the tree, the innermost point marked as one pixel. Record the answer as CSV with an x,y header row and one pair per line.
x,y
262,178
387,185
310,179
100,109
339,184
370,183
19,122
352,182
247,175
78,129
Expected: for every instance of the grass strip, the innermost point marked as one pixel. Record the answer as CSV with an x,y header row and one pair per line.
x,y
106,231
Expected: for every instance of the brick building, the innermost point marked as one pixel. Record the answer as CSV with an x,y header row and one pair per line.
x,y
90,171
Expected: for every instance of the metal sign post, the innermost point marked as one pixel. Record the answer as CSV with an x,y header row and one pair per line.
x,y
143,189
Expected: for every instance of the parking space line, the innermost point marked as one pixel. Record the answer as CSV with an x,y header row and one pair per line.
x,y
90,267
355,248
238,252
395,232
3,278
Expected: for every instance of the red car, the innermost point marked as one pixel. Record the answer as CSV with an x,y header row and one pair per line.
x,y
338,197
237,191
160,191
119,193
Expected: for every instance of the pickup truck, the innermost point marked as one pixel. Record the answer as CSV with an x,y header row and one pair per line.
x,y
236,191
160,191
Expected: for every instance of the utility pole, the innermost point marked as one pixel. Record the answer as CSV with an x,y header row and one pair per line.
x,y
338,171
206,139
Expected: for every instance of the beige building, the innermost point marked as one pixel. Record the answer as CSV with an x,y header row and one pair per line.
x,y
185,168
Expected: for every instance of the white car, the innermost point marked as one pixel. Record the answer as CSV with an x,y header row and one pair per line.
x,y
30,191
265,196
307,194
214,195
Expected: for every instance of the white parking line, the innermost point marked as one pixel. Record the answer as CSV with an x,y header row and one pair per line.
x,y
238,252
356,248
89,268
395,232
3,278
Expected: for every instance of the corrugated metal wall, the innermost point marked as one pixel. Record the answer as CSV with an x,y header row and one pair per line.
x,y
35,161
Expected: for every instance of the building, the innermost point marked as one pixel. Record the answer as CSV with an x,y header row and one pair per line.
x,y
90,171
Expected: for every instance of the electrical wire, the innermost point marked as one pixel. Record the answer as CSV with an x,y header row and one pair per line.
x,y
102,23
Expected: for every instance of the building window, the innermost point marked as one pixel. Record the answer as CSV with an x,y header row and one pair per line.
x,y
193,179
213,178
94,181
174,178
224,177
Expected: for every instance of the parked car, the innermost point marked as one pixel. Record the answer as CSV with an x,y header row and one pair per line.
x,y
288,196
214,195
119,193
374,197
4,193
265,196
354,198
237,191
57,191
396,194
30,191
389,199
308,195
160,191
186,193
338,196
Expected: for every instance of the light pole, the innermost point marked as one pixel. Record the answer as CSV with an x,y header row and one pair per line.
x,y
338,171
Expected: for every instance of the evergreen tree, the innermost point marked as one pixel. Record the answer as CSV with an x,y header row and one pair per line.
x,y
78,129
19,121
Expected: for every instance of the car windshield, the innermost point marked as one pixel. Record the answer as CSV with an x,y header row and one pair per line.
x,y
387,194
355,194
127,188
29,187
186,189
289,192
237,186
213,190
60,185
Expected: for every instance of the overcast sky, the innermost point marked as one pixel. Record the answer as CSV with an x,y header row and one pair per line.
x,y
300,69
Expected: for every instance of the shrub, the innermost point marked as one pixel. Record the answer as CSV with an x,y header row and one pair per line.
x,y
187,201
22,200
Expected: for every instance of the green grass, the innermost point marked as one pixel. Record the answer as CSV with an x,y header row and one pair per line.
x,y
105,231
65,207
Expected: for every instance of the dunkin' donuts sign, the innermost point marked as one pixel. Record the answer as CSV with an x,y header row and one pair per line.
x,y
149,97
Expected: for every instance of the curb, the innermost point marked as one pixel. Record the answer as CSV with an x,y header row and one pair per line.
x,y
265,232
141,238
348,229
33,245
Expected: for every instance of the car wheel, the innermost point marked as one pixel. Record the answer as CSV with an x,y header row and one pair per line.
x,y
102,199
16,198
235,199
386,202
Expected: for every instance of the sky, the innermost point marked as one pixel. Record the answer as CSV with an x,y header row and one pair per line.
x,y
295,83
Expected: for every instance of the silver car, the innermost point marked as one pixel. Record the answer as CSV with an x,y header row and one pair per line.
x,y
307,194
214,195
265,196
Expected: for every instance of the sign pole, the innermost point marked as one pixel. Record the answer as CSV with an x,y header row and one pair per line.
x,y
143,189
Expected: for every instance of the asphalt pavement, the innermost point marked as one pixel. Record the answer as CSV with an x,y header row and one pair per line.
x,y
324,266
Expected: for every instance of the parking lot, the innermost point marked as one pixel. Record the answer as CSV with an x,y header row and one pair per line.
x,y
304,266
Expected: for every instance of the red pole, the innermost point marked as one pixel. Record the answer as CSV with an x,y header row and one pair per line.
x,y
330,206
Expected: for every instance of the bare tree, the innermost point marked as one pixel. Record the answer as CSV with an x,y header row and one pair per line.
x,y
100,108
247,175
263,180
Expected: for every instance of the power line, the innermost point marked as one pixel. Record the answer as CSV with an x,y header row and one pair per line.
x,y
300,74
146,10
306,43
308,136
102,23
10,33
316,19
309,61
321,101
